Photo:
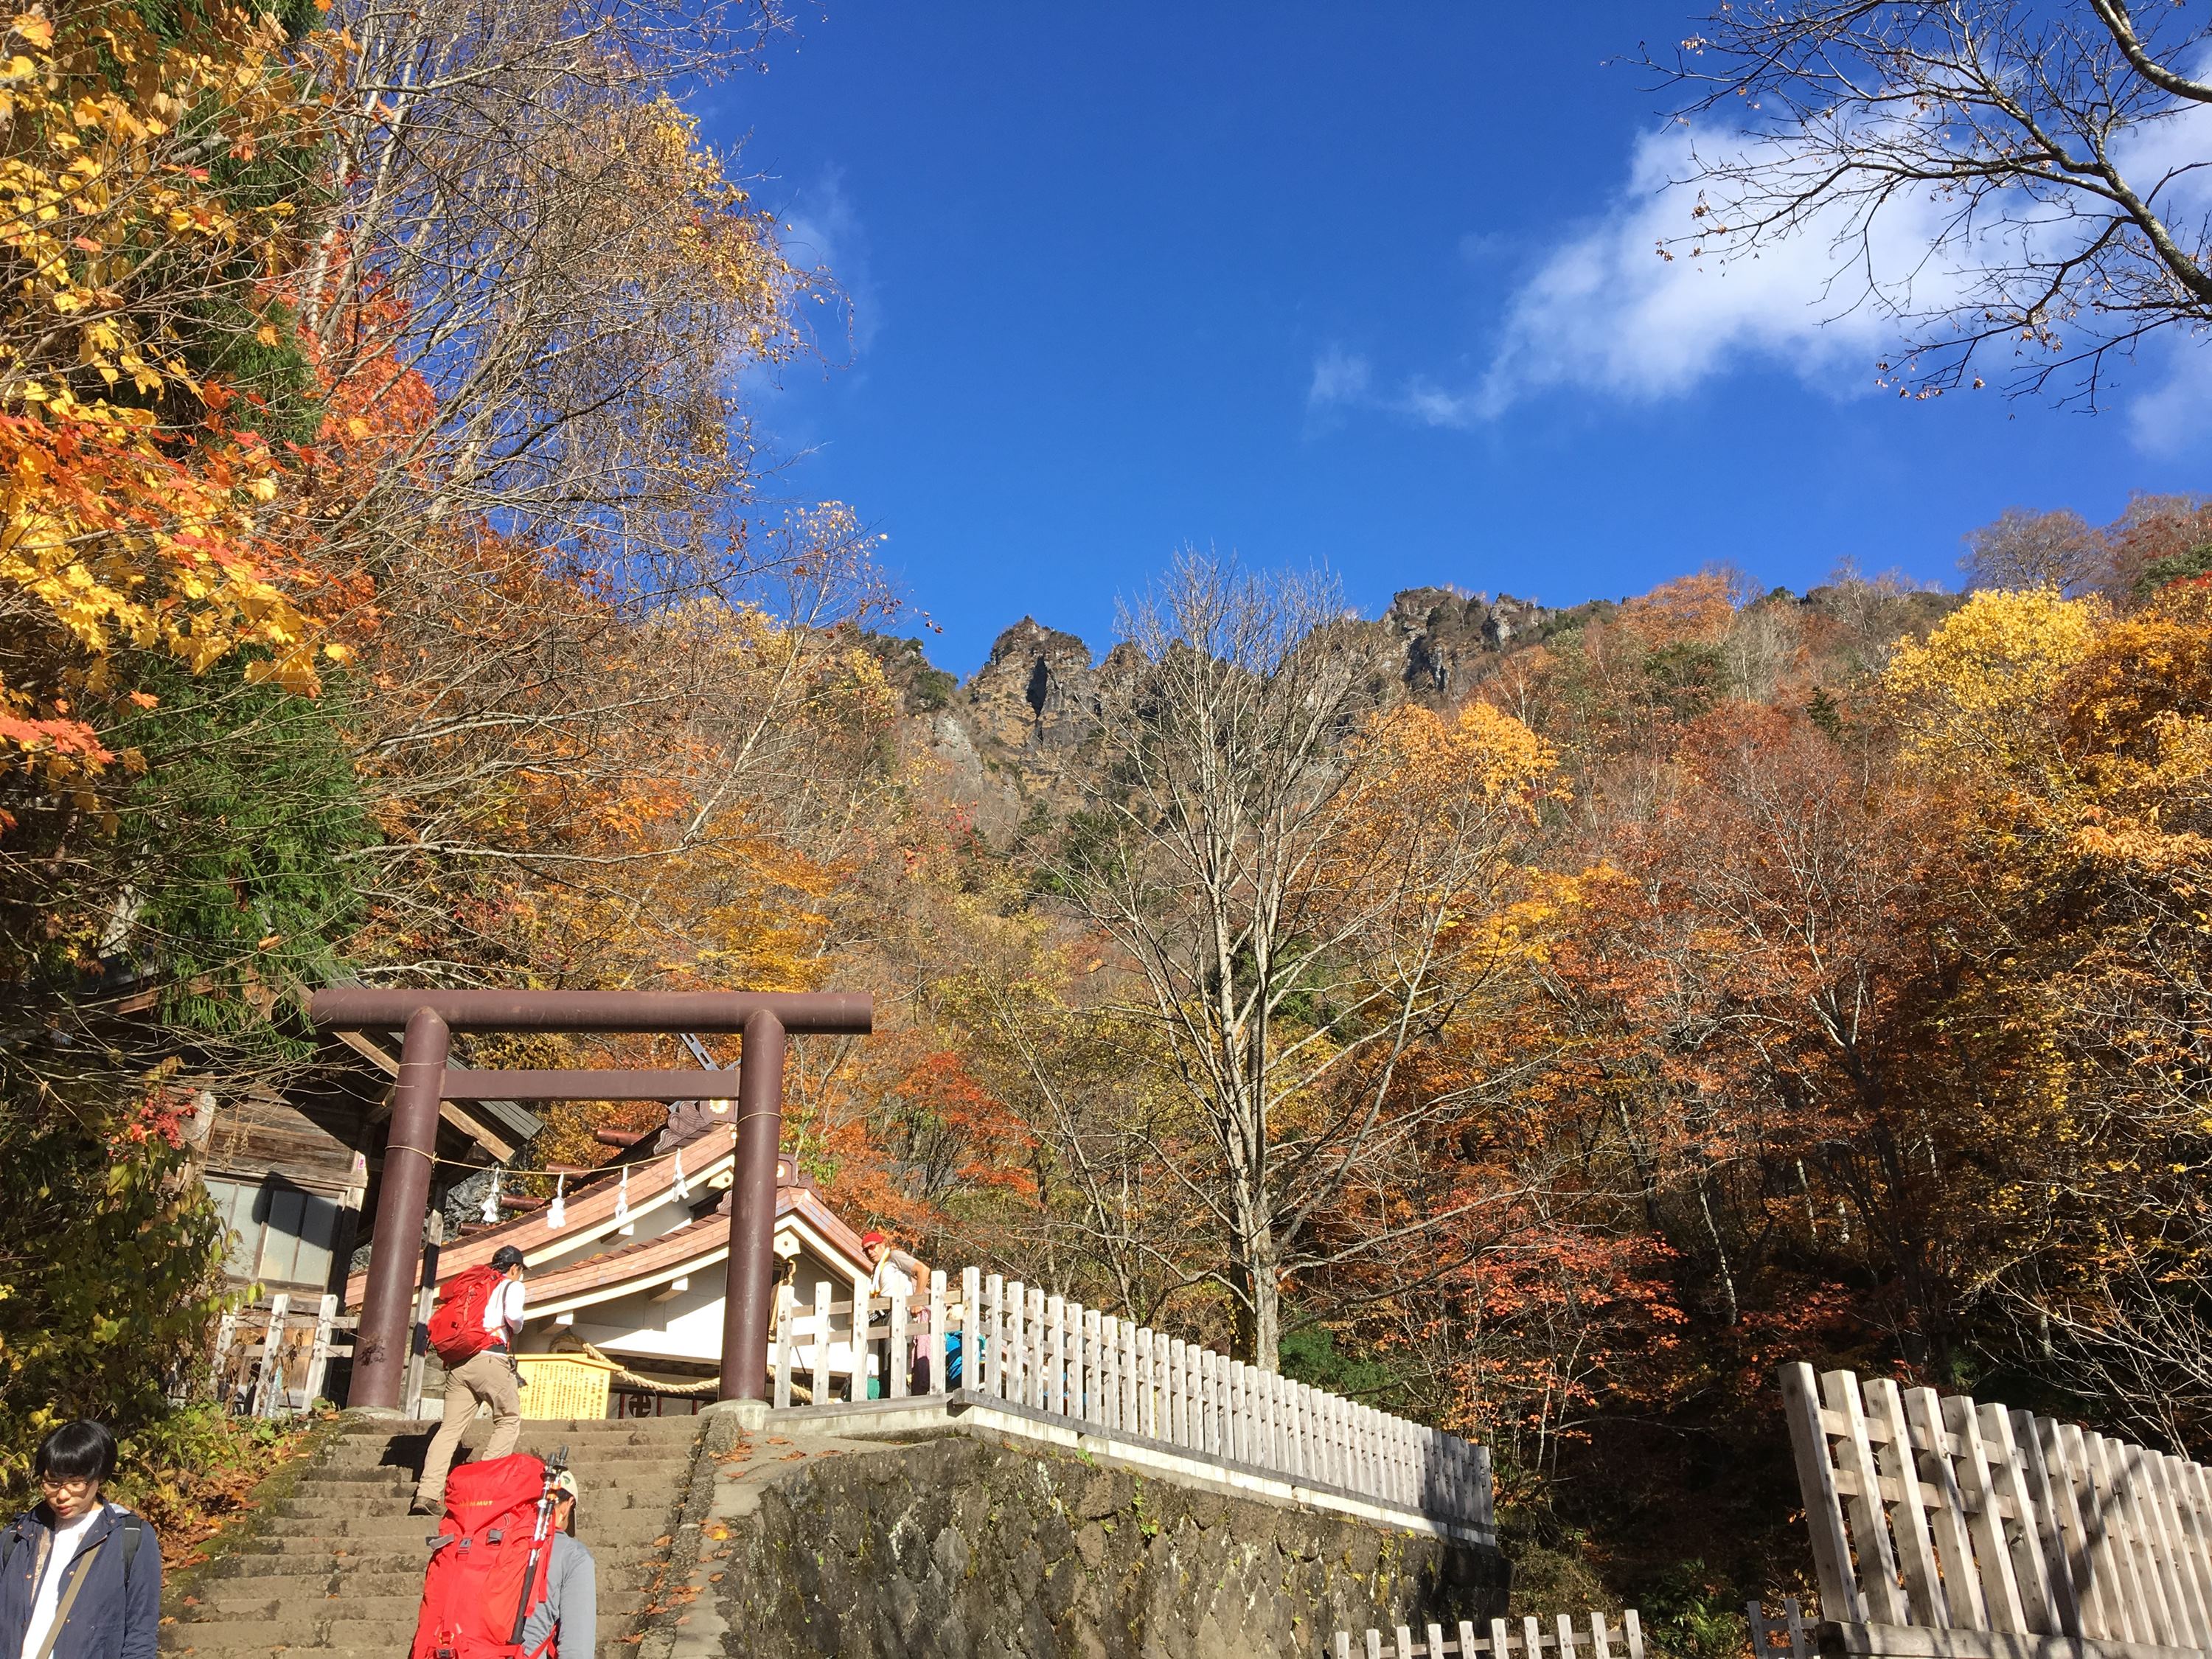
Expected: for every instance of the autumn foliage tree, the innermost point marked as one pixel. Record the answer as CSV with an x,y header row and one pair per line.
x,y
1302,885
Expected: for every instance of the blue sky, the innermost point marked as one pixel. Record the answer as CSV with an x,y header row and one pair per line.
x,y
1367,287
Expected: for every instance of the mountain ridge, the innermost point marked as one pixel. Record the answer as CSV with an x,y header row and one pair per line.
x,y
1011,739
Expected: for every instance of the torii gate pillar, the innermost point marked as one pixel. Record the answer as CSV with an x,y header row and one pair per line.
x,y
747,1306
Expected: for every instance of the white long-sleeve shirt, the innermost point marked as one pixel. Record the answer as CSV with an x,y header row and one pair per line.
x,y
503,1309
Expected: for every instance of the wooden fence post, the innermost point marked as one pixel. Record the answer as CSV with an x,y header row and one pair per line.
x,y
1034,1368
1056,1359
820,1382
2000,1590
786,1296
899,1371
862,1348
1016,1343
1135,1359
1093,1371
940,1329
1824,1505
1962,1585
1169,1357
1229,1404
318,1357
268,1394
993,1338
894,1348
225,1332
971,1336
1109,1370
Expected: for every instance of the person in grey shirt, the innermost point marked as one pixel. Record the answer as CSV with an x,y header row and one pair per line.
x,y
570,1614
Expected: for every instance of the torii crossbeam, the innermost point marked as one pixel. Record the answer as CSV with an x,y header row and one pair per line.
x,y
429,1018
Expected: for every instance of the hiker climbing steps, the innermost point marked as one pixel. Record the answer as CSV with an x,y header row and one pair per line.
x,y
336,1572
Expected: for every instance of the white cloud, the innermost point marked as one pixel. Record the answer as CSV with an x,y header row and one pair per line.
x,y
822,230
1607,313
1604,312
2173,420
1340,377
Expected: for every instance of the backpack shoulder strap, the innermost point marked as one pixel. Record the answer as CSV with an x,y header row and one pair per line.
x,y
134,1531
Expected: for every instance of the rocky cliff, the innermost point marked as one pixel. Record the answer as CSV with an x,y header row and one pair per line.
x,y
1012,742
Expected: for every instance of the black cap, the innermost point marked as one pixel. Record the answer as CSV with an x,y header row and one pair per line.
x,y
506,1256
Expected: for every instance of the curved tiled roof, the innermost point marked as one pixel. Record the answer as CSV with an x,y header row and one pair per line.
x,y
590,1211
696,1245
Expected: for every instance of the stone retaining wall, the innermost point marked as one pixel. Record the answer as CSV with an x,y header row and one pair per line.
x,y
957,1546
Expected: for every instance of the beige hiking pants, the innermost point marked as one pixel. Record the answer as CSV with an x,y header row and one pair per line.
x,y
488,1379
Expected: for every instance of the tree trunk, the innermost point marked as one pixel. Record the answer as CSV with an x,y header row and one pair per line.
x,y
1259,1297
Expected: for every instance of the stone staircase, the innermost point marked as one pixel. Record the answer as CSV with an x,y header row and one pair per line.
x,y
336,1570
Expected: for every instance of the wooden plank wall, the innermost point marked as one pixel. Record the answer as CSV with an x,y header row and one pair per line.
x,y
1944,1513
1054,1357
261,1134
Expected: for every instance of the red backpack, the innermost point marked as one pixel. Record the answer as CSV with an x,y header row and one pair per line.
x,y
489,1569
457,1323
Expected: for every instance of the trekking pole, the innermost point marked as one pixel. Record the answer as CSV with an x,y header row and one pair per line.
x,y
538,1535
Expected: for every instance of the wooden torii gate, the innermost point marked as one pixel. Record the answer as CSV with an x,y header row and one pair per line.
x,y
429,1018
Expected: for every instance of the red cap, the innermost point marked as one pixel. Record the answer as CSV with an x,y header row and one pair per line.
x,y
873,1237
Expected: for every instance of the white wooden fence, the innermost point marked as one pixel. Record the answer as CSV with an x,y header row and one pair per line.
x,y
1558,1636
1043,1357
1940,1525
278,1346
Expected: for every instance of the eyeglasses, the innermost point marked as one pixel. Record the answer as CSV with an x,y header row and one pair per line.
x,y
67,1482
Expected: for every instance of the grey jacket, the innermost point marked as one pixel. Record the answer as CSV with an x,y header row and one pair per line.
x,y
571,1606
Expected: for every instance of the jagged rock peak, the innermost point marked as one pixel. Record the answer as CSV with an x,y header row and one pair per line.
x,y
1452,638
1028,640
1036,688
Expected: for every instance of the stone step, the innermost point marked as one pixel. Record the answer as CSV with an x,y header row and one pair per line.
x,y
310,1513
391,1572
618,1525
348,1482
540,1431
337,1573
346,1496
382,1637
612,1488
355,1603
624,1645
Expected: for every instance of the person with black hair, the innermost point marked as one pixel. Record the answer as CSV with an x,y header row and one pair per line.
x,y
80,1577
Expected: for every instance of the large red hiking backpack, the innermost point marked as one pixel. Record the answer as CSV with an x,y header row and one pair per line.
x,y
457,1323
488,1569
